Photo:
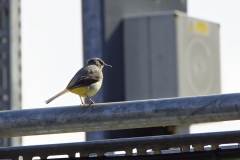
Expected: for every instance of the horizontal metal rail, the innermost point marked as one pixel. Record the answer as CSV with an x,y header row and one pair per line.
x,y
120,115
227,154
142,144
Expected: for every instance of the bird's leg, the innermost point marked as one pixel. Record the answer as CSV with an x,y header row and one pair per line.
x,y
81,100
90,100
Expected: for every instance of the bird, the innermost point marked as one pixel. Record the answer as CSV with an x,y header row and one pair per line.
x,y
86,82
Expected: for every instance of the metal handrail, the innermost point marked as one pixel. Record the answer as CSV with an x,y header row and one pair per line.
x,y
157,143
120,115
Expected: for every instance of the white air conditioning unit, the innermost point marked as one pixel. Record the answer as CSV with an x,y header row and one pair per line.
x,y
170,54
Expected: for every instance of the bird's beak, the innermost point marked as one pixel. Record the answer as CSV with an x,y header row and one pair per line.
x,y
106,65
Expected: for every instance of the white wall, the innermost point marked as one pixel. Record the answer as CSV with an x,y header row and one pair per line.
x,y
51,55
227,14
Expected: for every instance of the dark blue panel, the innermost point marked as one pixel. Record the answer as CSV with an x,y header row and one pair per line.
x,y
93,40
93,34
5,61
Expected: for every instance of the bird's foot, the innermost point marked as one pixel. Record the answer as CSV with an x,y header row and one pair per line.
x,y
91,103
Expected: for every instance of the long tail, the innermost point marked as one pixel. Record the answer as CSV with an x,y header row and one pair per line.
x,y
56,96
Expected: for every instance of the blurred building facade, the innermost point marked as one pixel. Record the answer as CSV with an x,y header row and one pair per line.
x,y
10,60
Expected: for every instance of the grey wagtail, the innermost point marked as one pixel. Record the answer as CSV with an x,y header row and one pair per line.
x,y
87,81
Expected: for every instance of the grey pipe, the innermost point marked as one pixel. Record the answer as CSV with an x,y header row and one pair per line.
x,y
120,115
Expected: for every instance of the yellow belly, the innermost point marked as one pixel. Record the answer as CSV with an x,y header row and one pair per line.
x,y
87,91
81,91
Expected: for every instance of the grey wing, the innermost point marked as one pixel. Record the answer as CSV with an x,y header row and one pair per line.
x,y
85,77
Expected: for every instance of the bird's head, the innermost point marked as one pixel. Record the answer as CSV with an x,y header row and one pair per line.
x,y
98,62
